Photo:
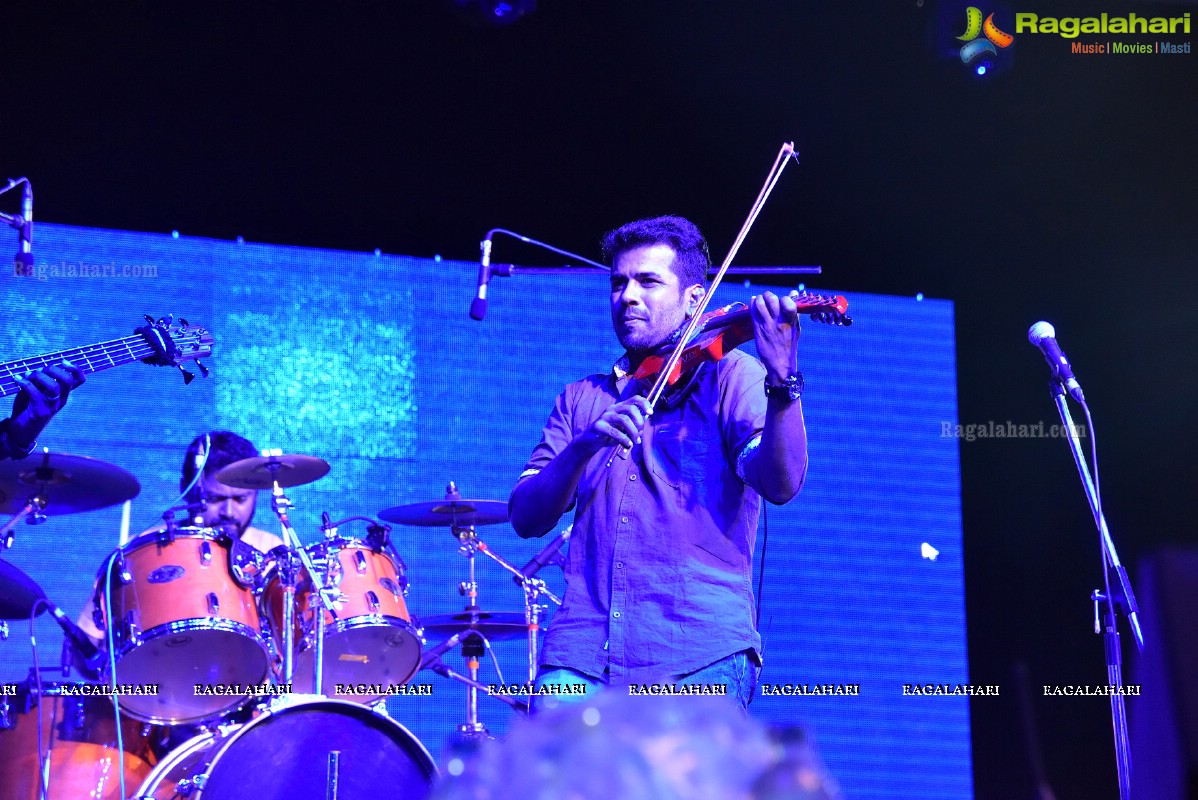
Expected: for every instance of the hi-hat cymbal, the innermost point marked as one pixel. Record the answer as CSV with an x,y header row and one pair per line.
x,y
494,625
261,472
452,513
18,593
67,483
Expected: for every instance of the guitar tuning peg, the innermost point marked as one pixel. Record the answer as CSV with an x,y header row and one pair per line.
x,y
203,369
188,377
166,321
148,318
184,322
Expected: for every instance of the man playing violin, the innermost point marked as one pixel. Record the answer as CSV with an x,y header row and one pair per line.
x,y
659,573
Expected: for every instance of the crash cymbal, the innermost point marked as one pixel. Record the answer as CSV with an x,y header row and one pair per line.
x,y
18,593
494,625
67,483
261,472
453,513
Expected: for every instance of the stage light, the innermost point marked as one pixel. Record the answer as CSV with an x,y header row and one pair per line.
x,y
494,12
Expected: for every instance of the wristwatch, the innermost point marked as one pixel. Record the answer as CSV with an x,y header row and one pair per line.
x,y
790,390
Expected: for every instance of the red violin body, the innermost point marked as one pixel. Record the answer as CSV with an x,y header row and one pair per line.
x,y
725,329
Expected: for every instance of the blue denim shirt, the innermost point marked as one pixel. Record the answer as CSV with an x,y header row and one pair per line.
x,y
659,573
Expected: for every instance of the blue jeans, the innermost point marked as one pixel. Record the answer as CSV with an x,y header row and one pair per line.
x,y
737,672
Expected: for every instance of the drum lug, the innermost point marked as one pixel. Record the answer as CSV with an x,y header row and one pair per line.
x,y
205,553
213,604
360,562
123,573
132,629
372,600
188,786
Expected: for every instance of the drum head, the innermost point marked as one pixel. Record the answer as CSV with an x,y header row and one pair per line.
x,y
199,653
294,753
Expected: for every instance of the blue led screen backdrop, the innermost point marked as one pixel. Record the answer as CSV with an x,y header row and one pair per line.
x,y
371,363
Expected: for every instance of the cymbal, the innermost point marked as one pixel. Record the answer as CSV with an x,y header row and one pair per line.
x,y
455,513
494,625
261,472
18,593
68,483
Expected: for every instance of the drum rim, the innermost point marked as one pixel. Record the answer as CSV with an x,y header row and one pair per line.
x,y
188,625
181,532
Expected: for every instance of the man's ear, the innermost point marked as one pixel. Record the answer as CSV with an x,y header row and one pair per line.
x,y
694,297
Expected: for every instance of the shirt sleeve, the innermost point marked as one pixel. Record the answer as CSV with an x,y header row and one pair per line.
x,y
557,433
742,409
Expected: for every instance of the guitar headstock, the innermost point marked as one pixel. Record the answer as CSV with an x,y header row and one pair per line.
x,y
174,343
821,308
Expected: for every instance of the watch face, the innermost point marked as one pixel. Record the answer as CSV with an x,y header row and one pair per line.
x,y
791,388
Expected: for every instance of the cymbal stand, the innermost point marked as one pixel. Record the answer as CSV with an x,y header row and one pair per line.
x,y
533,588
472,646
279,503
33,510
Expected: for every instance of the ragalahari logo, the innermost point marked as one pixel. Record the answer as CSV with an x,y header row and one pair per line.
x,y
981,37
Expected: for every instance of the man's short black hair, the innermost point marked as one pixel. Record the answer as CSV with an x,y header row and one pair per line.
x,y
227,447
693,261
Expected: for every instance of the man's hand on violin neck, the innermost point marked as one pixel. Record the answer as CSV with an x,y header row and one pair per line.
x,y
621,423
776,333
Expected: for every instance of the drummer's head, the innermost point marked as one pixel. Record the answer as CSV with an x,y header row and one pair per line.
x,y
227,505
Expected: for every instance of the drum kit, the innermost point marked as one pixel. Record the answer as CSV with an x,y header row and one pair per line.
x,y
223,663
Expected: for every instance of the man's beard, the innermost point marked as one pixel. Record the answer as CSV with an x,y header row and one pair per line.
x,y
639,350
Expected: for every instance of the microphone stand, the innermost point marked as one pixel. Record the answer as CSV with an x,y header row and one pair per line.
x,y
591,267
1106,600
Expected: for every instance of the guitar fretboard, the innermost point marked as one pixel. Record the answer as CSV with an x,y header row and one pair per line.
x,y
92,358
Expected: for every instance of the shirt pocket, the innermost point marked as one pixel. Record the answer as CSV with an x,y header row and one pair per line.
x,y
676,456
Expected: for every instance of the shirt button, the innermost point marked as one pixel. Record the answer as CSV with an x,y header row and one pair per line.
x,y
623,519
619,565
632,477
616,614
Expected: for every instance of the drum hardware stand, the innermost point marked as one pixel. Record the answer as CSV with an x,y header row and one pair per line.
x,y
1120,595
472,646
32,513
533,589
279,503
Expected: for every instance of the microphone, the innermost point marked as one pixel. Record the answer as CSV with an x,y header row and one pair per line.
x,y
549,555
88,652
433,655
1044,336
478,306
24,258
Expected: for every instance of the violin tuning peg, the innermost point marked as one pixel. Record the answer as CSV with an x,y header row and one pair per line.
x,y
203,369
188,377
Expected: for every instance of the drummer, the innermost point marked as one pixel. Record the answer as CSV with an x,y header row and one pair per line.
x,y
215,504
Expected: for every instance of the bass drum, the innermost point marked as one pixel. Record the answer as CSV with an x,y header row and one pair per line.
x,y
309,750
79,734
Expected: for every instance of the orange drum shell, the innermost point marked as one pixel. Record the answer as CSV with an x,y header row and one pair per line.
x,y
362,570
186,596
83,757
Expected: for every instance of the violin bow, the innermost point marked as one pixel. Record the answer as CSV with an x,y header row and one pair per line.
x,y
659,386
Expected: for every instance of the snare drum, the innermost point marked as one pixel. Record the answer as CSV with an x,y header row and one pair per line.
x,y
369,637
183,616
79,737
298,752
